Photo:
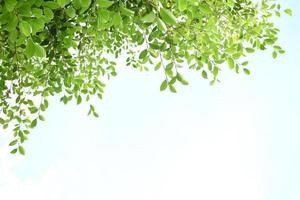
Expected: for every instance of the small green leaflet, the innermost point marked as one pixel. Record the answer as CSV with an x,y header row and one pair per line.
x,y
41,117
143,54
246,71
182,5
71,12
230,62
105,3
117,19
181,79
96,114
62,3
250,50
245,63
53,5
37,25
148,18
84,3
10,5
167,16
12,143
25,28
204,74
161,25
288,12
48,13
231,3
204,8
39,51
12,24
157,66
21,150
274,54
29,51
34,49
14,151
79,99
172,88
164,85
126,11
33,110
33,123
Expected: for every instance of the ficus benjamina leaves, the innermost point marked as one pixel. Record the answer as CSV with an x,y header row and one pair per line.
x,y
70,49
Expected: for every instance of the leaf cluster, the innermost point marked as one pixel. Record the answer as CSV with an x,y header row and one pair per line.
x,y
71,48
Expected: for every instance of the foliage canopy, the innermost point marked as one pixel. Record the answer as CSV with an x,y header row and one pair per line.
x,y
71,48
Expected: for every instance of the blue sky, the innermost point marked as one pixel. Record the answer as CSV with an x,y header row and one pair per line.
x,y
237,140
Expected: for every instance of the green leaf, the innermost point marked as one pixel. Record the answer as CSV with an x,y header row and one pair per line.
x,y
143,54
216,71
230,3
33,123
126,11
71,12
39,51
79,99
182,5
274,54
96,114
204,8
230,62
24,10
172,81
48,13
250,50
85,3
172,88
25,28
288,12
10,5
167,16
12,143
30,49
245,63
246,71
161,25
204,74
181,79
37,25
12,23
33,109
52,5
41,117
164,85
21,150
62,3
157,66
34,49
104,3
117,19
14,151
5,126
149,18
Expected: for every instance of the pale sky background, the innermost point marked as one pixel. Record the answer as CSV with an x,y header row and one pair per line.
x,y
238,140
